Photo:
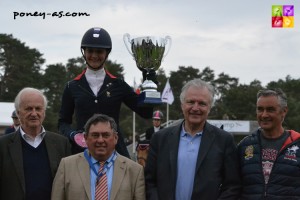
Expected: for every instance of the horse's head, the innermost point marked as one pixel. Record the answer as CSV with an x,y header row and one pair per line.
x,y
142,153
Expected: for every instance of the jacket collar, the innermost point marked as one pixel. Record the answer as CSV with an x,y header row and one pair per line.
x,y
293,137
83,72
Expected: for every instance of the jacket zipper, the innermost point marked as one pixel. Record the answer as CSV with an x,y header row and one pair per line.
x,y
275,161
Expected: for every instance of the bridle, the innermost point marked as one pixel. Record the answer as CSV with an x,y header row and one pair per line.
x,y
141,159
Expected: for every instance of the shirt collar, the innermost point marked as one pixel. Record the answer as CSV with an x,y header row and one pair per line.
x,y
94,161
25,135
184,133
89,72
156,128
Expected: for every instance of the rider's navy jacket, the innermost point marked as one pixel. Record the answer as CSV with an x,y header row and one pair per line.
x,y
79,98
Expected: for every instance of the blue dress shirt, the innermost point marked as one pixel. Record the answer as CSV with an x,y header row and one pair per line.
x,y
186,164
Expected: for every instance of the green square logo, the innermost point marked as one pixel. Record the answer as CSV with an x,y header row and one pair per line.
x,y
276,10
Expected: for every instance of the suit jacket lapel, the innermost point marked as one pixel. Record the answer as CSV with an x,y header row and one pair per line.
x,y
173,143
207,139
119,173
15,149
83,169
53,155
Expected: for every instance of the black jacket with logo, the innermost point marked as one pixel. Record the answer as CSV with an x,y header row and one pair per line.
x,y
284,181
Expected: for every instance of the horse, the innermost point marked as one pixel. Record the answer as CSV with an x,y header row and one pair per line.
x,y
142,149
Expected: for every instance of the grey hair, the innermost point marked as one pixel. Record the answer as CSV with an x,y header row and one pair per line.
x,y
281,96
29,90
96,118
198,83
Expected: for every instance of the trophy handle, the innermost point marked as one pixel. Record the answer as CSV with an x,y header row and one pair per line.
x,y
168,40
126,39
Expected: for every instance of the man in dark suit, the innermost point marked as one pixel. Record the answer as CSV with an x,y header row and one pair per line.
x,y
15,125
29,157
156,120
193,160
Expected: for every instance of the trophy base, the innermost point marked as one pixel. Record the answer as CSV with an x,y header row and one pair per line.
x,y
149,98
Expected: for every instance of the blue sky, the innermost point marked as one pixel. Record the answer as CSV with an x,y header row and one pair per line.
x,y
233,36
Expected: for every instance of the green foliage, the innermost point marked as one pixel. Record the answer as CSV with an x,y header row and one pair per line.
x,y
115,69
238,103
224,83
20,66
74,67
54,80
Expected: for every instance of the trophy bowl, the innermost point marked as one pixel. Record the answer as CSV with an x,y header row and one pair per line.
x,y
148,53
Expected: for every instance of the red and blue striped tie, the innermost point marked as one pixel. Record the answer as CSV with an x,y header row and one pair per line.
x,y
101,192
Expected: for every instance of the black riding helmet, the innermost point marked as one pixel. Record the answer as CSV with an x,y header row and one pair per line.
x,y
96,38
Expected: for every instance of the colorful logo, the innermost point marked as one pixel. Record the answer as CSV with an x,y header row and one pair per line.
x,y
282,16
249,152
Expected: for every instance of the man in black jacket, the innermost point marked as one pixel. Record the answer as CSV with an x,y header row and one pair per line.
x,y
193,160
269,158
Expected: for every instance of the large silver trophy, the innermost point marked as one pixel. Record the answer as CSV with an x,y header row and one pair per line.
x,y
148,53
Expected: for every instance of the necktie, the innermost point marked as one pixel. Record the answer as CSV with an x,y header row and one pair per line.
x,y
101,185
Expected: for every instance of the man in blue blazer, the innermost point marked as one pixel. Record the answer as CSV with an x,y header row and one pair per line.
x,y
193,160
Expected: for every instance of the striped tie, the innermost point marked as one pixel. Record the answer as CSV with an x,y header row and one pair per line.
x,y
101,185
